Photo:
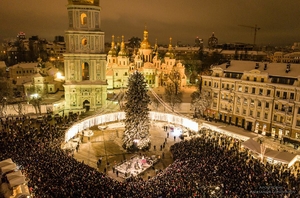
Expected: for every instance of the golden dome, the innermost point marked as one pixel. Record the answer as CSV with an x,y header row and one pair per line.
x,y
112,51
145,43
122,51
170,50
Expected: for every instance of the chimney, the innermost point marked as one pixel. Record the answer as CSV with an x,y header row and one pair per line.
x,y
227,64
288,68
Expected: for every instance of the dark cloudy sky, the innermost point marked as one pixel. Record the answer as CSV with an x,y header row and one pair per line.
x,y
183,20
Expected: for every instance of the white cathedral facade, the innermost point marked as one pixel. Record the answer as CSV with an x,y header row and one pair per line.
x,y
85,60
146,60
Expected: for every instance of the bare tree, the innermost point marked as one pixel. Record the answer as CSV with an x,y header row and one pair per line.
x,y
36,103
3,106
175,80
121,99
173,95
6,94
155,101
18,107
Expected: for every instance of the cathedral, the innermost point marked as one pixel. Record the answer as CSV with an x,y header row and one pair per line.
x,y
146,60
85,60
89,72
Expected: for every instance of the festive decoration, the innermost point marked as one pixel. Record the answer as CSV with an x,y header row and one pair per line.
x,y
137,123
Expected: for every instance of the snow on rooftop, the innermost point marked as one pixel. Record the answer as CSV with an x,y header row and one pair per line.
x,y
25,65
273,69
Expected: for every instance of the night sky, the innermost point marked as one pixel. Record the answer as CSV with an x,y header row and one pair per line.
x,y
179,19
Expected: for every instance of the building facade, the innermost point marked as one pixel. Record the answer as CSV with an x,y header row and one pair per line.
x,y
260,97
146,60
85,60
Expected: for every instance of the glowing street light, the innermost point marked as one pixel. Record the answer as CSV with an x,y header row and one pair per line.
x,y
34,95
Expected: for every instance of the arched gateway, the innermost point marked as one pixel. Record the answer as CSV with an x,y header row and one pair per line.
x,y
119,116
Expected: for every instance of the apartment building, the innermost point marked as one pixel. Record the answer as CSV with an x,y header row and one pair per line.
x,y
260,97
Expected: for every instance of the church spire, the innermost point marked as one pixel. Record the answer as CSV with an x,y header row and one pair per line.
x,y
155,46
122,50
170,53
112,50
112,42
145,43
170,45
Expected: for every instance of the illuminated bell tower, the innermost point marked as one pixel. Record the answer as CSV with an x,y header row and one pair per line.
x,y
85,59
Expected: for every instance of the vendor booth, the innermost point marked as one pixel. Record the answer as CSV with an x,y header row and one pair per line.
x,y
272,155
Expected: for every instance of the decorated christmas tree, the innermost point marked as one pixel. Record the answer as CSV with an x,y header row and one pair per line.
x,y
137,123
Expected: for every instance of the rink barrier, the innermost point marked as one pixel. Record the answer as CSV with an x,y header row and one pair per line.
x,y
88,122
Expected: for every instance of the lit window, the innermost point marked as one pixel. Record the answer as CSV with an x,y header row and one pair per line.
x,y
83,19
84,41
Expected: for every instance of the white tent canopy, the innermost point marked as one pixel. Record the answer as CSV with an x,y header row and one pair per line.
x,y
8,168
5,162
17,181
280,156
12,175
252,145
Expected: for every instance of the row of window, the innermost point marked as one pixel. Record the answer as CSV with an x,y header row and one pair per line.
x,y
125,74
255,79
252,102
253,90
27,71
280,118
251,113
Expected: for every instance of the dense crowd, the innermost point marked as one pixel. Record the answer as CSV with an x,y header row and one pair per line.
x,y
208,165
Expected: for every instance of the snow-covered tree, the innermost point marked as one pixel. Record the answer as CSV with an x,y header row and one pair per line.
x,y
137,123
201,101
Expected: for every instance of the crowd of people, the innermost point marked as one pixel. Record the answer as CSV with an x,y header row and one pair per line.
x,y
207,165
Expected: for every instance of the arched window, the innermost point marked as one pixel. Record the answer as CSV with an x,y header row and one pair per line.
x,y
84,41
85,71
83,19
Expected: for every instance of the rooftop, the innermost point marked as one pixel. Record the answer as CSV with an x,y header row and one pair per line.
x,y
273,69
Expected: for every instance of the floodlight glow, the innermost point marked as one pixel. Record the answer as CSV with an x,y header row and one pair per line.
x,y
58,75
34,95
177,131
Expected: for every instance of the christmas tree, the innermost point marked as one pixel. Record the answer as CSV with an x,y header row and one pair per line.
x,y
137,123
